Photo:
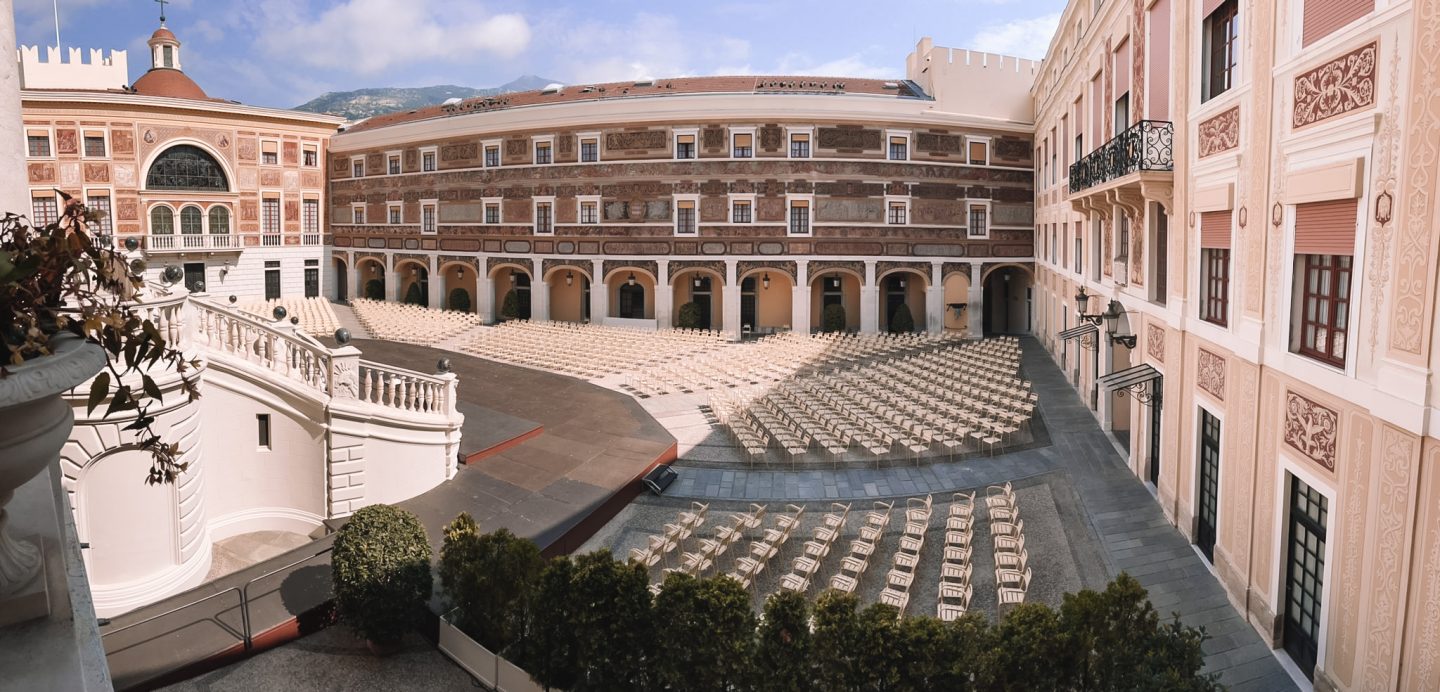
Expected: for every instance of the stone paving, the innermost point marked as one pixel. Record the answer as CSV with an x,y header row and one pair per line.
x,y
1133,533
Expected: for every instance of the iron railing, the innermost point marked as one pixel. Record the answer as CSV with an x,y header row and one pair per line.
x,y
1148,145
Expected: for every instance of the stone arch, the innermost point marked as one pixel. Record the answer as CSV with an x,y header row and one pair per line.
x,y
989,268
178,146
457,274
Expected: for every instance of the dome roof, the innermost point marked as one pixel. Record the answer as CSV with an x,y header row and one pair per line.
x,y
164,81
163,34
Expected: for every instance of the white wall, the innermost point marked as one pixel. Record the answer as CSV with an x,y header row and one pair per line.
x,y
246,275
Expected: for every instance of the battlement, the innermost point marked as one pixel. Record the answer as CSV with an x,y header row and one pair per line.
x,y
972,81
73,72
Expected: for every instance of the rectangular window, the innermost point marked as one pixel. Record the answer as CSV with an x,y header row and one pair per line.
x,y
800,145
740,212
427,161
392,164
392,213
272,283
357,168
979,152
589,150
684,146
312,282
100,203
979,220
270,215
542,153
492,156
897,213
262,428
1324,306
359,214
492,213
685,217
589,212
744,146
310,216
427,218
543,219
95,146
899,149
1079,248
800,217
39,145
310,157
269,153
1222,34
1215,266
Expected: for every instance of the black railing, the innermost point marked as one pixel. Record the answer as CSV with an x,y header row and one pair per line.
x,y
1148,145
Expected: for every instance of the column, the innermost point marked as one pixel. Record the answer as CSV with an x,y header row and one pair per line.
x,y
664,295
356,278
869,301
436,285
539,294
599,293
975,313
392,279
730,310
1102,368
800,298
935,301
13,195
485,297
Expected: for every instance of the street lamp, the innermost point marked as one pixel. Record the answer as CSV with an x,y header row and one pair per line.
x,y
1112,323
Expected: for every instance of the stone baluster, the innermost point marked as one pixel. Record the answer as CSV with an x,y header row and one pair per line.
x,y
389,391
364,384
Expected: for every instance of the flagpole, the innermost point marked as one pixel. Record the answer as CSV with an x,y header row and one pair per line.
x,y
57,24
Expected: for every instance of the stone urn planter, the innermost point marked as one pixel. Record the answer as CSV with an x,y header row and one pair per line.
x,y
35,422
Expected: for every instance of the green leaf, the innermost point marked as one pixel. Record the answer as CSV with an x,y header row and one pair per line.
x,y
99,387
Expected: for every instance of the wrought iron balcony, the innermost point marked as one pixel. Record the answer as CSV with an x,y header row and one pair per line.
x,y
1148,145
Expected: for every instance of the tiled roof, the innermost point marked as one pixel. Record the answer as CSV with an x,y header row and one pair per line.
x,y
163,81
659,87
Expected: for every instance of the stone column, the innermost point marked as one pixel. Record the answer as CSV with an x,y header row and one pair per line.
x,y
935,301
599,293
436,285
539,294
730,311
869,301
392,279
485,300
357,278
664,295
13,197
800,298
975,313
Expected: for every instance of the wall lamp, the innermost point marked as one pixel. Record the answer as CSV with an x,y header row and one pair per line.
x,y
569,278
765,280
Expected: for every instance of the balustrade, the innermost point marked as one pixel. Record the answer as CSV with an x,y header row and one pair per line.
x,y
1148,145
404,390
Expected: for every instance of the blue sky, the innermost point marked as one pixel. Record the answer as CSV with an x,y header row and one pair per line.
x,y
285,52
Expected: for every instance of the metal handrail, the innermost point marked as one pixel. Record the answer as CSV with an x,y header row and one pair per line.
x,y
245,591
172,611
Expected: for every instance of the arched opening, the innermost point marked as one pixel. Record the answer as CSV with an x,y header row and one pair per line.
x,y
703,289
769,297
342,287
131,527
836,288
459,287
1007,298
569,294
371,275
219,220
632,294
902,293
162,221
512,293
186,167
191,226
957,306
414,283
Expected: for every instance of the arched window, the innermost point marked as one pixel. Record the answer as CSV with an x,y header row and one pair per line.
x,y
162,221
190,220
219,220
186,167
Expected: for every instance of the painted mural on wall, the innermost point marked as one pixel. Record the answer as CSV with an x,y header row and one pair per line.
x,y
1344,84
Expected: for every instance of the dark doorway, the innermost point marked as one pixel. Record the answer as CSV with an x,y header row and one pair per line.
x,y
747,306
195,276
700,296
312,282
520,283
1155,420
272,279
342,282
632,301
894,298
1305,573
1209,484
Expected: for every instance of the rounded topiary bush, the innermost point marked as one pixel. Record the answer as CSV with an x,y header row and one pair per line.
x,y
832,319
460,300
380,567
902,322
510,307
414,295
375,289
688,317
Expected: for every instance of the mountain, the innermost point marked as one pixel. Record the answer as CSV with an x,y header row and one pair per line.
x,y
363,103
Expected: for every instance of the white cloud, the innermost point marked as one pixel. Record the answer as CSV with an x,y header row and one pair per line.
x,y
1025,38
854,65
372,36
645,45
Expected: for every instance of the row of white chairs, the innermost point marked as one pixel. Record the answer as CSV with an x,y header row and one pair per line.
x,y
411,324
1012,561
907,557
587,350
316,315
956,590
803,568
854,564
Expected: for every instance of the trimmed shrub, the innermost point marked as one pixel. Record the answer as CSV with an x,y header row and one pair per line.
x,y
489,579
901,322
510,307
375,289
414,295
688,317
784,646
832,318
460,300
705,632
380,567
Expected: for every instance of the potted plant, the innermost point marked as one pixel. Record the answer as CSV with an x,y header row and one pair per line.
x,y
901,322
460,300
380,567
832,318
68,312
689,316
510,308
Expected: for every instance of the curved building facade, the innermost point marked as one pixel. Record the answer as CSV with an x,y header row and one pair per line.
x,y
762,200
